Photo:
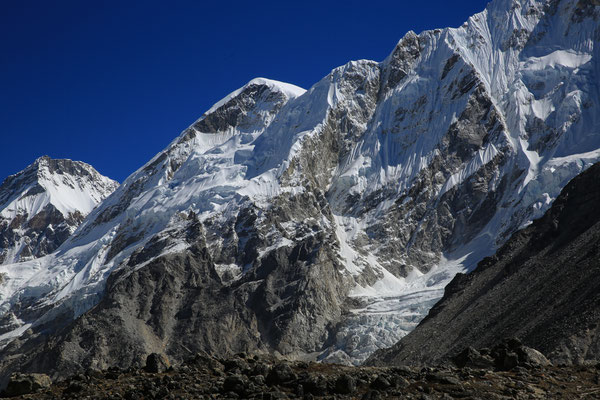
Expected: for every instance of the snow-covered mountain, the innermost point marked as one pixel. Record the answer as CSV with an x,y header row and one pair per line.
x,y
41,206
324,223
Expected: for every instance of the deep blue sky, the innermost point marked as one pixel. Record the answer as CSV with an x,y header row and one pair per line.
x,y
111,83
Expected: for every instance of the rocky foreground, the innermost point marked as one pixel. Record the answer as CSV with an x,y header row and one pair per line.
x,y
507,371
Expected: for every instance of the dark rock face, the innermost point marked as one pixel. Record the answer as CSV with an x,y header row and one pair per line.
x,y
281,374
541,286
472,358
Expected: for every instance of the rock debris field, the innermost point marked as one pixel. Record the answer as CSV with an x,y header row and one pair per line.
x,y
507,371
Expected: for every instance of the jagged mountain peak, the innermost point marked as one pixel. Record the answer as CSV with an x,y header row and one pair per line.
x,y
46,173
42,205
250,106
289,90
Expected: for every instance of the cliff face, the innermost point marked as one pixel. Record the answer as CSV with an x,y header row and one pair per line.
x,y
541,286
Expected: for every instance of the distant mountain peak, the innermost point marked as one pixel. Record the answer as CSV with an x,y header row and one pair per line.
x,y
42,205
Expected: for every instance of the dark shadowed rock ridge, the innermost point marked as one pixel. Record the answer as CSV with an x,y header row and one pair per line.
x,y
41,206
542,286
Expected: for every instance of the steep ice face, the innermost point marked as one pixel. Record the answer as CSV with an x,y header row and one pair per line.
x,y
408,170
43,204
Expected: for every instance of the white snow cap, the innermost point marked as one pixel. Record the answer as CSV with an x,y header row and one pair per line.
x,y
291,91
67,192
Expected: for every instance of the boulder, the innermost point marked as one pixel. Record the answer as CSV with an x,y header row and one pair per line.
x,y
20,384
157,363
533,357
509,361
281,374
203,359
236,384
345,384
380,383
472,358
506,355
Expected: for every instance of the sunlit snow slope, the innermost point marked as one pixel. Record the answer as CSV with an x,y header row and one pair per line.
x,y
43,204
331,219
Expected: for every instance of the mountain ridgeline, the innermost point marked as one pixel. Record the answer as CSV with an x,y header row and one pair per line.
x,y
322,223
